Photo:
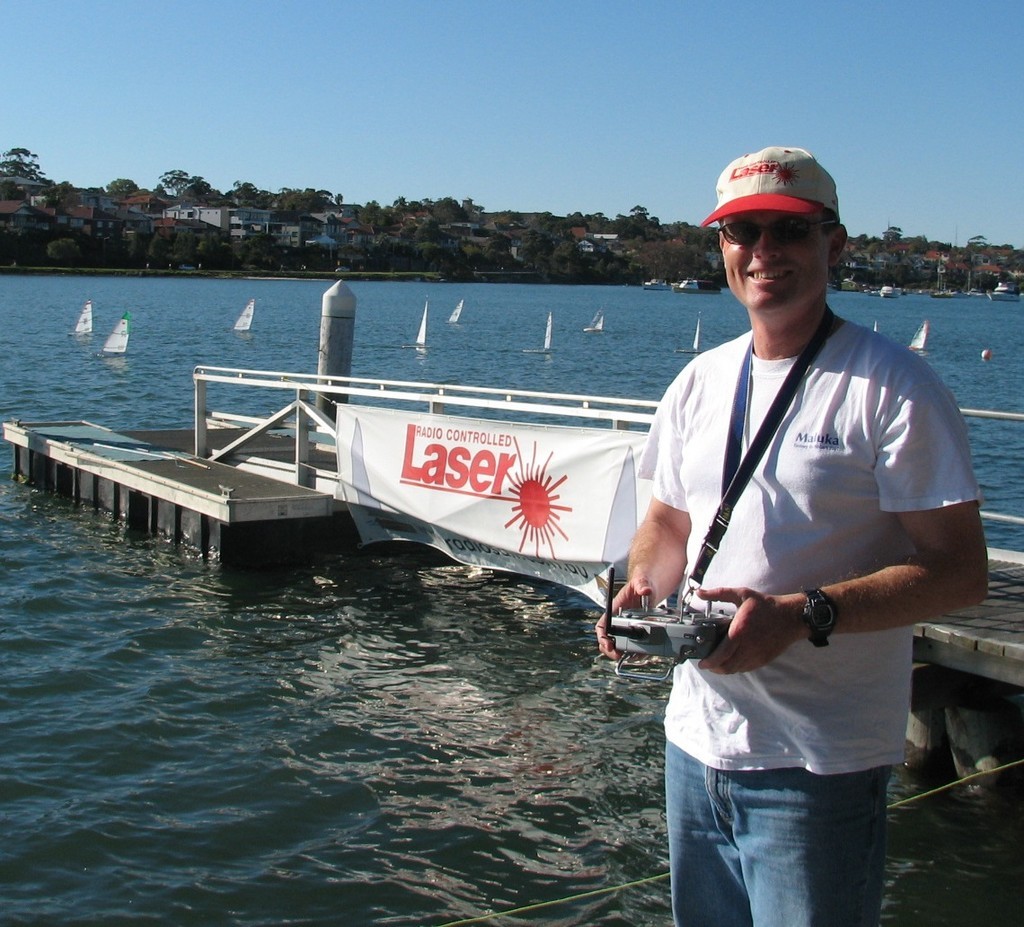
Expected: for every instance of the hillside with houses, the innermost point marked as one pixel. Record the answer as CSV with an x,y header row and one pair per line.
x,y
184,225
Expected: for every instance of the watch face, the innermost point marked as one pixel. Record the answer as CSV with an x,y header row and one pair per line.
x,y
821,616
818,613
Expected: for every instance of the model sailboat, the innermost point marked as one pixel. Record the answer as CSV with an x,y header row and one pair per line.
x,y
421,336
456,312
597,323
84,324
696,342
547,341
117,341
920,339
244,322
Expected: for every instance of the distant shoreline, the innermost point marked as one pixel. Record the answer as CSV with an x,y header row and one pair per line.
x,y
213,274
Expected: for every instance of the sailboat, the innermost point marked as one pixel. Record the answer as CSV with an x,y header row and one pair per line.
x,y
917,343
597,323
244,322
421,335
940,291
696,342
547,341
84,324
456,312
117,340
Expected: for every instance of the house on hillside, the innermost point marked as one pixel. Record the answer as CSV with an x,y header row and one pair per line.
x,y
19,216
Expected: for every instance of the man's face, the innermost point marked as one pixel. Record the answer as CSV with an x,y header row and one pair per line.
x,y
772,273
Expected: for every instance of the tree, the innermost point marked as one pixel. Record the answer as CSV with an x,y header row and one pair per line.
x,y
122,187
20,162
159,251
184,249
61,194
174,181
447,210
244,193
308,200
197,188
257,251
429,231
64,251
214,253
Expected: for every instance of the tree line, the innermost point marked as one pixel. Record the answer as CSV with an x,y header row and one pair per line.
x,y
412,236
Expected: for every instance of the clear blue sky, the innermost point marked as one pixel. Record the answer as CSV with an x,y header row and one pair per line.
x,y
599,106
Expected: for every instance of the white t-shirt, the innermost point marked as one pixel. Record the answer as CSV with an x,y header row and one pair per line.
x,y
872,431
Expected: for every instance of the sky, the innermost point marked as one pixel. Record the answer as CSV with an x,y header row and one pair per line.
x,y
533,105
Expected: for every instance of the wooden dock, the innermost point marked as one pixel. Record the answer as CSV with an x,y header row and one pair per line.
x,y
153,483
985,640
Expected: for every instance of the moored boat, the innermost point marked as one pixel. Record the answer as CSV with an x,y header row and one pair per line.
x,y
693,285
1005,292
890,292
656,284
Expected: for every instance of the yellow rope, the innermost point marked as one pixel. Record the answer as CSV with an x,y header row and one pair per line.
x,y
954,783
526,909
547,904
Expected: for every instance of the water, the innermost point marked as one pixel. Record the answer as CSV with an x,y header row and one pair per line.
x,y
382,738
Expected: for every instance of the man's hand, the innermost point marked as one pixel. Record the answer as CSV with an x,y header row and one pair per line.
x,y
763,627
629,596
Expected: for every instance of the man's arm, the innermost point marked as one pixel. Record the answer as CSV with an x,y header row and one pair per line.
x,y
948,571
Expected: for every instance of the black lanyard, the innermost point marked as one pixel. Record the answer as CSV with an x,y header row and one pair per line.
x,y
736,473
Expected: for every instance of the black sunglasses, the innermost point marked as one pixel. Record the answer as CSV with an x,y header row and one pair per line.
x,y
784,231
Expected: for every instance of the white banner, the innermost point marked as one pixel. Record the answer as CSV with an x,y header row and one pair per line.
x,y
559,503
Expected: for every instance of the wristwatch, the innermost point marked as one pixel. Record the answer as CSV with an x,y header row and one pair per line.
x,y
819,615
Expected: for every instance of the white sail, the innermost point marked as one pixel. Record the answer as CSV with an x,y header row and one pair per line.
x,y
456,312
244,322
597,323
547,340
117,341
84,324
420,344
696,342
421,335
920,339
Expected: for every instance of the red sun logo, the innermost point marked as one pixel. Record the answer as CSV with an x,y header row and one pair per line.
x,y
536,512
786,175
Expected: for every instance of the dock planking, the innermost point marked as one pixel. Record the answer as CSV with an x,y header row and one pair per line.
x,y
987,639
225,512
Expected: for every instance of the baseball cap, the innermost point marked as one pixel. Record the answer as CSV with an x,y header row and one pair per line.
x,y
779,179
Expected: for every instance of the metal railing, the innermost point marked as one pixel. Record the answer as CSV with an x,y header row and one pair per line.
x,y
308,417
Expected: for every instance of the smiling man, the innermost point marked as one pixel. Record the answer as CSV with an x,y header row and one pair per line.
x,y
859,519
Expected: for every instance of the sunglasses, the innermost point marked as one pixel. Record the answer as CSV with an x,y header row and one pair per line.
x,y
784,231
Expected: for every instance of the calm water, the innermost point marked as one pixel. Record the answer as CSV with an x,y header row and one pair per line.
x,y
376,739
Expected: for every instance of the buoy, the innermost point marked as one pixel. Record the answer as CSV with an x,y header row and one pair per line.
x,y
986,354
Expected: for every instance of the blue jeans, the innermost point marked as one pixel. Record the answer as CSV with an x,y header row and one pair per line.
x,y
774,848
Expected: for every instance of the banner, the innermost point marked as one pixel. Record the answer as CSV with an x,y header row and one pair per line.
x,y
558,503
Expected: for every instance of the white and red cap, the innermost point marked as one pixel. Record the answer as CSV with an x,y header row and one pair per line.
x,y
777,179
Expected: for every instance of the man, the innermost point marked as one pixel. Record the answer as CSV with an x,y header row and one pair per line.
x,y
860,519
